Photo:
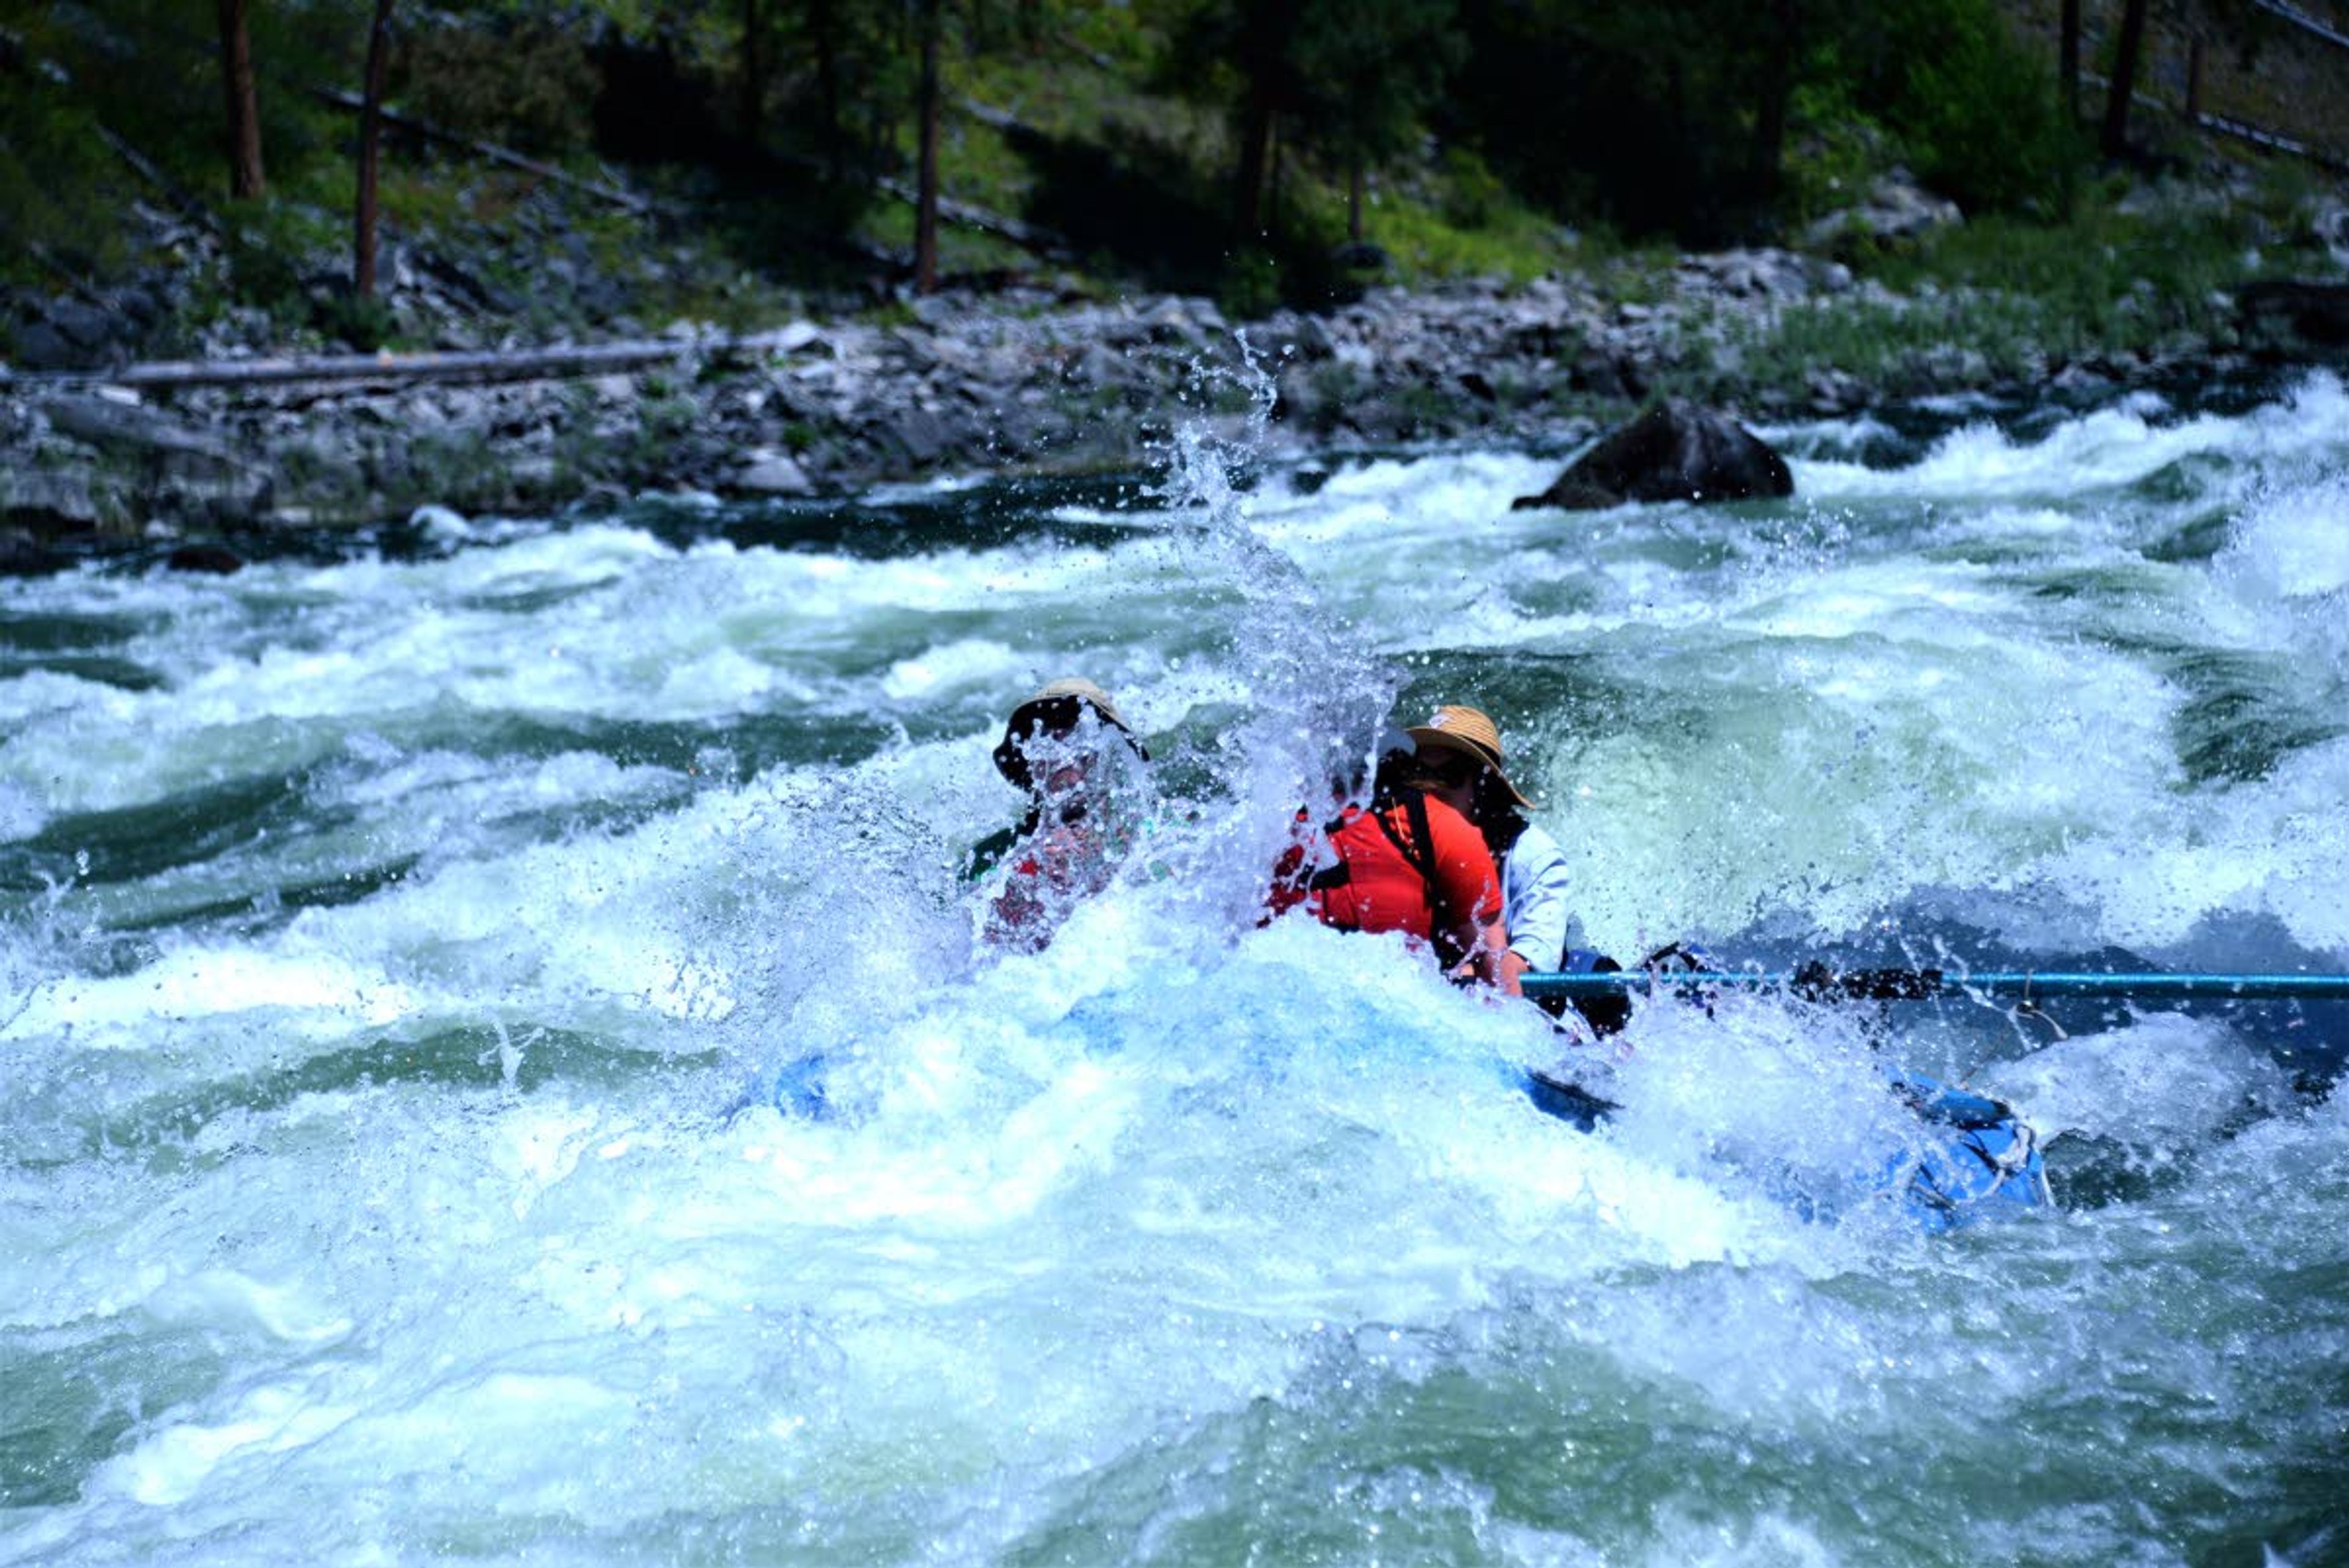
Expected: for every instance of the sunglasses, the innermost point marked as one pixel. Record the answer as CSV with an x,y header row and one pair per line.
x,y
1449,768
1058,718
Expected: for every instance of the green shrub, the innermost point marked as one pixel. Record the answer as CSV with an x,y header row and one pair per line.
x,y
1837,153
1976,114
1249,288
529,84
365,324
1474,196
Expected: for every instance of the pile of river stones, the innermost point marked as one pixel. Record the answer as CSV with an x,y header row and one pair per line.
x,y
1027,379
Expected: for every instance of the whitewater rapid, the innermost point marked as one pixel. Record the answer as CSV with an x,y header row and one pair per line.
x,y
407,936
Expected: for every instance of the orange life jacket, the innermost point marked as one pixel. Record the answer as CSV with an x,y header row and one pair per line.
x,y
1411,864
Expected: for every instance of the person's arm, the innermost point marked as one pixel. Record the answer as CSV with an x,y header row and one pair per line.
x,y
987,854
1495,964
1015,914
1469,896
1539,910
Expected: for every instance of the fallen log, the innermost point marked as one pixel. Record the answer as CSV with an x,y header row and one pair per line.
x,y
472,366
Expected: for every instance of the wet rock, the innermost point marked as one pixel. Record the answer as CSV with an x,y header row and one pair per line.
x,y
918,436
214,560
24,554
48,502
772,473
1674,452
2288,318
1896,211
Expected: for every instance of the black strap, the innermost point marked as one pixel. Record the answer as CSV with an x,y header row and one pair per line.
x,y
1421,850
1420,853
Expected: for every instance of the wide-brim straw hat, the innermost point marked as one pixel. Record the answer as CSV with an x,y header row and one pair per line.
x,y
1011,759
1468,730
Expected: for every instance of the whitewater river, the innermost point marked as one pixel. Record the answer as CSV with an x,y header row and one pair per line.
x,y
405,939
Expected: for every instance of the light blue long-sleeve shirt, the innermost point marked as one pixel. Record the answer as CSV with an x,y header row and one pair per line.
x,y
1535,886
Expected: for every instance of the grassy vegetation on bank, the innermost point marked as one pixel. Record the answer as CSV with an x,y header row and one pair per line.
x,y
1070,139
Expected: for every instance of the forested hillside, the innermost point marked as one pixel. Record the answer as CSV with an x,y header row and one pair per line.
x,y
294,172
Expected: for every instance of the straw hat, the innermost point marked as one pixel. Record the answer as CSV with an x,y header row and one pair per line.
x,y
1075,694
1467,730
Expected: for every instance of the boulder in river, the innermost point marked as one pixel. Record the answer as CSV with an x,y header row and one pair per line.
x,y
2293,318
1674,452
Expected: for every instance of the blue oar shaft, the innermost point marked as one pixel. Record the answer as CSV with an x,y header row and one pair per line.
x,y
1920,982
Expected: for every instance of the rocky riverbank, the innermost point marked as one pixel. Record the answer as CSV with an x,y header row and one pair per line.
x,y
1020,380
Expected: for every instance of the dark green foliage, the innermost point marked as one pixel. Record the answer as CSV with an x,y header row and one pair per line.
x,y
1976,115
1130,203
528,85
360,325
1480,125
1349,79
1369,71
1657,117
1635,118
1472,195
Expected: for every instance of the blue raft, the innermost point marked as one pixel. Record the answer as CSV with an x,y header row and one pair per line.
x,y
1975,1159
1984,1162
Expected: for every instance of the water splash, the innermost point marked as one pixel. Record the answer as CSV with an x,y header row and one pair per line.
x,y
1315,694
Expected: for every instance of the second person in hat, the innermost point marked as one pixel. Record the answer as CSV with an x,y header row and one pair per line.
x,y
1070,750
1460,761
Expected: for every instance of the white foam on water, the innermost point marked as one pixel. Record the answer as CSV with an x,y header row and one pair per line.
x,y
463,1217
191,984
2288,543
968,666
2272,847
2168,1076
2098,452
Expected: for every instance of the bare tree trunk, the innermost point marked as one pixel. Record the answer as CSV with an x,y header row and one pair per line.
x,y
1777,90
823,20
2067,62
1273,152
1354,201
2117,100
754,72
2194,80
925,197
244,175
1256,142
370,140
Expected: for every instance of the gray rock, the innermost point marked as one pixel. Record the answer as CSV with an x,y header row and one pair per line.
x,y
49,501
2288,318
1674,452
41,346
1098,365
799,337
768,473
1895,211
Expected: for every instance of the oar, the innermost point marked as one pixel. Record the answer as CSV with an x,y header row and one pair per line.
x,y
1820,983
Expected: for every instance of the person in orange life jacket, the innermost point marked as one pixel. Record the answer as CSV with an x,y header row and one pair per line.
x,y
1460,757
1071,751
1461,762
1403,862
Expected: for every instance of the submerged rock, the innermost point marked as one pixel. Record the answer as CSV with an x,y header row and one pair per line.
x,y
22,554
2293,319
209,559
1674,452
